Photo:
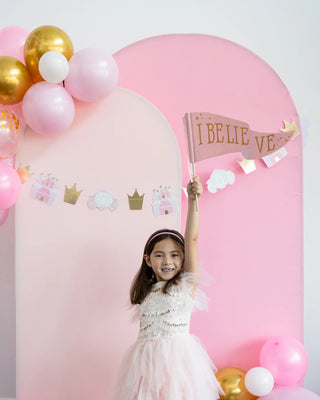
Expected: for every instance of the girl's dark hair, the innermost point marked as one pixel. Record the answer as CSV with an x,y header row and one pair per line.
x,y
145,278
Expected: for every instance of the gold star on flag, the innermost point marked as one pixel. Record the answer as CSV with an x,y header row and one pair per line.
x,y
291,127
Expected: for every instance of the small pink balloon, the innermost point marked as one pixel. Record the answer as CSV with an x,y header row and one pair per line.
x,y
286,359
290,393
93,74
48,108
10,186
3,216
12,40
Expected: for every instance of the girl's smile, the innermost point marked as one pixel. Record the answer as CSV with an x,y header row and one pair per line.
x,y
166,259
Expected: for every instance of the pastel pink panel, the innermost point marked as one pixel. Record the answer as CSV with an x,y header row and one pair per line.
x,y
251,231
75,264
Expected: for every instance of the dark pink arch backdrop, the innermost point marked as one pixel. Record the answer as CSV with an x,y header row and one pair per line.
x,y
251,232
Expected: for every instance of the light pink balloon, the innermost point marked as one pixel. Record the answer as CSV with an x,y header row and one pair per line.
x,y
10,186
290,393
48,108
3,216
12,40
286,359
93,74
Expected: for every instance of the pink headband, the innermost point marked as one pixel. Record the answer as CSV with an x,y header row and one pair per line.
x,y
168,234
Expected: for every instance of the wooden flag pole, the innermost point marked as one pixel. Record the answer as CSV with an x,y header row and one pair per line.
x,y
191,154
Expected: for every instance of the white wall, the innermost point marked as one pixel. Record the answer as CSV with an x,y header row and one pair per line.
x,y
7,308
285,33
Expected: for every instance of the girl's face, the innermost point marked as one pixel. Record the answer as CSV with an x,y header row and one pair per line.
x,y
166,259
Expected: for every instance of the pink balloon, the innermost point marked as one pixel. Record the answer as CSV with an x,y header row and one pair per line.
x,y
10,132
3,216
286,359
12,40
290,393
48,108
10,186
93,74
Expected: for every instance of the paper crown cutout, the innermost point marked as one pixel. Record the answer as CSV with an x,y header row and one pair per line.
x,y
71,195
135,201
24,173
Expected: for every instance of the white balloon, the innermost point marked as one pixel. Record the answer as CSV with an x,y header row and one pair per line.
x,y
259,381
53,67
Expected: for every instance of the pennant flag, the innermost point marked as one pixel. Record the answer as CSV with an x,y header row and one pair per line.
x,y
211,135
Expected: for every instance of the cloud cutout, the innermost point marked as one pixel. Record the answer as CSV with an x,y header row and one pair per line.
x,y
219,179
102,201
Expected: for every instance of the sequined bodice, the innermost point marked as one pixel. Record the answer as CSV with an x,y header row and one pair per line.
x,y
165,314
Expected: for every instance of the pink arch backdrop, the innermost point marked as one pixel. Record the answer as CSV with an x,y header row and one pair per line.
x,y
251,232
74,263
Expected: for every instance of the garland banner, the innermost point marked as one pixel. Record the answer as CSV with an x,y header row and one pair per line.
x,y
211,135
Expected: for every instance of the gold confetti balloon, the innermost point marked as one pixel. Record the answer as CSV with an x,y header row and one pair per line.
x,y
10,133
14,80
232,382
41,40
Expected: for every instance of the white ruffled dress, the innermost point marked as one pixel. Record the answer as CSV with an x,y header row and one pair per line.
x,y
167,362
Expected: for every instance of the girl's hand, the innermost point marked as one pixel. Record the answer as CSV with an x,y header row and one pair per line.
x,y
194,188
191,259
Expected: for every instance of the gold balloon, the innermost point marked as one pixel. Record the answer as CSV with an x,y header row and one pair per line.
x,y
232,382
14,80
43,39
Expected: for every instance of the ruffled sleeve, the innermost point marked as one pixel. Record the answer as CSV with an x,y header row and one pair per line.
x,y
187,282
135,313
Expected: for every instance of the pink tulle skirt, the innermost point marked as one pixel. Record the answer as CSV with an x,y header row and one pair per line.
x,y
167,368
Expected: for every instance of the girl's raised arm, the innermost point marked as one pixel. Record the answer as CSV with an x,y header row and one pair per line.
x,y
191,261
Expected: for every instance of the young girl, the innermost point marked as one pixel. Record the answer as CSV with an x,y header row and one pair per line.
x,y
166,362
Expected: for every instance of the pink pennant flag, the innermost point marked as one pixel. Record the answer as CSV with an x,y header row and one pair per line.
x,y
211,135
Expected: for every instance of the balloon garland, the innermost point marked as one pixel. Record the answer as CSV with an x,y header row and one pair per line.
x,y
39,76
283,362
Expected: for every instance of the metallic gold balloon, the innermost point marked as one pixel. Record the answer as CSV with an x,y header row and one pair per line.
x,y
43,39
232,382
14,80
